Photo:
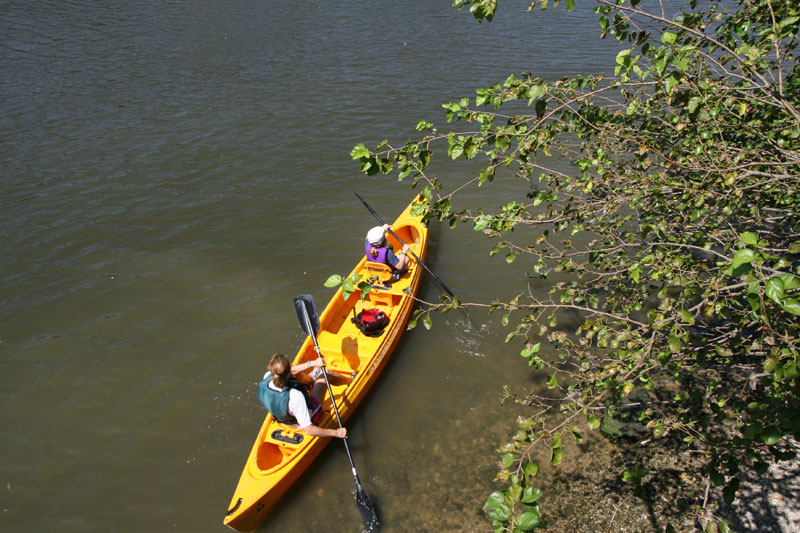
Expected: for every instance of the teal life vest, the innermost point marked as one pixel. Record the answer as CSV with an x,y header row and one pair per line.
x,y
277,402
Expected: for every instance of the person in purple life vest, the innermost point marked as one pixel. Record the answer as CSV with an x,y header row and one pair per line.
x,y
378,251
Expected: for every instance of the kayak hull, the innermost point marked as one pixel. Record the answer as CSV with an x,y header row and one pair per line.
x,y
281,453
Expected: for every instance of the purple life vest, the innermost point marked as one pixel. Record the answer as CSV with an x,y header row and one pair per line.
x,y
382,253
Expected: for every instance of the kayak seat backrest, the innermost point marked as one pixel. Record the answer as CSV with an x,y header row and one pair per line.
x,y
384,272
381,300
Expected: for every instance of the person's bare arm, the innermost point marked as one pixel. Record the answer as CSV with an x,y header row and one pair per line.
x,y
296,369
316,431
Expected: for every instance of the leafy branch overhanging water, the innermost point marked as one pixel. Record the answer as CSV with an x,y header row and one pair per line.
x,y
685,190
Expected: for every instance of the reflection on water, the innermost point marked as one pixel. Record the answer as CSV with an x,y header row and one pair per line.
x,y
173,175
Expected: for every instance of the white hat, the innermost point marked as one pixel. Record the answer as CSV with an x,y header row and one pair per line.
x,y
375,235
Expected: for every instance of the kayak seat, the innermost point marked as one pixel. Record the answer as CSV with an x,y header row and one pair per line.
x,y
382,300
330,345
340,351
382,271
280,443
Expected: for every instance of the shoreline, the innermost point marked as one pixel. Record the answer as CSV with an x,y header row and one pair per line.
x,y
590,480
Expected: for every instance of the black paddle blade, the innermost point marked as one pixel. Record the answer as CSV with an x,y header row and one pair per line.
x,y
367,510
304,305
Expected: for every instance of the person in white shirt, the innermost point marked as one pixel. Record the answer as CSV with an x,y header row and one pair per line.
x,y
289,401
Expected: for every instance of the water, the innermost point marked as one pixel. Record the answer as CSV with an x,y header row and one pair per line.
x,y
173,174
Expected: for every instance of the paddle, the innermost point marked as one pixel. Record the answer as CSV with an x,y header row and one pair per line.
x,y
435,277
309,322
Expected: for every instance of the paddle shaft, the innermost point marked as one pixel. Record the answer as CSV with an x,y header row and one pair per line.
x,y
435,277
310,332
304,305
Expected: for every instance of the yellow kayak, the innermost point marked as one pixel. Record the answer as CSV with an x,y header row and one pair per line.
x,y
281,453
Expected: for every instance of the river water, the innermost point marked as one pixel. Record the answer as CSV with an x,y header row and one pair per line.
x,y
172,174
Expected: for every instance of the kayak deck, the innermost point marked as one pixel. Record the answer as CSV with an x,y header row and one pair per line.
x,y
282,453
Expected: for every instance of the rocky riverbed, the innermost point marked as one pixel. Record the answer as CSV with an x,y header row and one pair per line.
x,y
587,494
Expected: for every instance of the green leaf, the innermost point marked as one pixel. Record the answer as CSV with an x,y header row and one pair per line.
x,y
508,460
427,322
333,281
749,238
634,270
788,21
681,62
742,257
501,512
790,305
529,521
624,57
510,257
551,381
347,288
593,422
754,301
555,457
529,351
771,435
481,222
775,290
494,500
635,475
790,281
531,494
671,81
359,151
668,37
531,468
675,344
419,209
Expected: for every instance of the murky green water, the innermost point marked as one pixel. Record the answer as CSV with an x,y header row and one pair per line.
x,y
173,174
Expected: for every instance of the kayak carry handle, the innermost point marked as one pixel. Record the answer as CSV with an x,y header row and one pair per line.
x,y
233,509
279,436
